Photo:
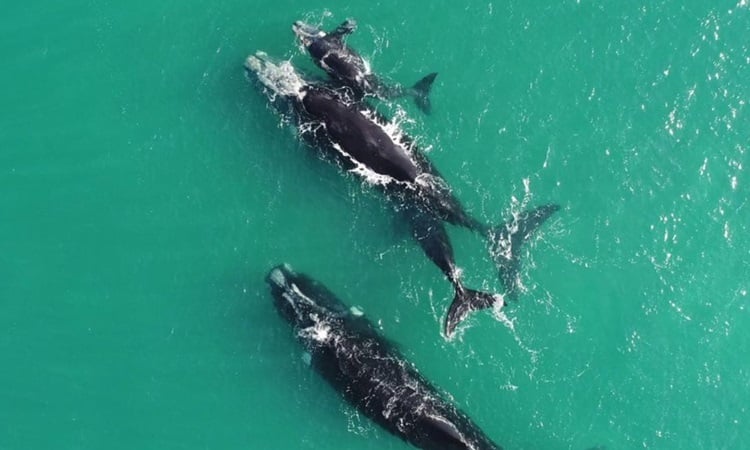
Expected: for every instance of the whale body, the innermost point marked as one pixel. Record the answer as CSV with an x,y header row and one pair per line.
x,y
367,370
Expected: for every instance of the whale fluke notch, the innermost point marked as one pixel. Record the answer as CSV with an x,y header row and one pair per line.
x,y
506,241
421,92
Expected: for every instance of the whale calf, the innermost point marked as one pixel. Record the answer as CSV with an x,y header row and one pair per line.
x,y
331,53
367,370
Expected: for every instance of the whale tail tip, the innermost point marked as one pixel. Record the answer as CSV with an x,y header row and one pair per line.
x,y
421,92
464,302
507,239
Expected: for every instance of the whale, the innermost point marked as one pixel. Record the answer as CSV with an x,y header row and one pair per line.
x,y
368,370
331,53
432,237
360,141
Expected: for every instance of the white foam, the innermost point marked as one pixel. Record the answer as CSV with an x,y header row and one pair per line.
x,y
370,176
368,69
431,181
393,128
361,170
320,332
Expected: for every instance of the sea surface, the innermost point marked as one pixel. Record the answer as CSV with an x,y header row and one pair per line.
x,y
146,188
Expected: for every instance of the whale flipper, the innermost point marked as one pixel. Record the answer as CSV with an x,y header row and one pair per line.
x,y
466,301
506,241
444,431
421,92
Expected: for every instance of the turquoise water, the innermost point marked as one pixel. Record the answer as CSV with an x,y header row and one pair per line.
x,y
147,188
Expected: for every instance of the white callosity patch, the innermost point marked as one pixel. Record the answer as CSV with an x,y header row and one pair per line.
x,y
277,276
291,300
281,78
296,297
304,297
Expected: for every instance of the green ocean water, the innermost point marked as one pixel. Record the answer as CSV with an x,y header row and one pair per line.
x,y
147,188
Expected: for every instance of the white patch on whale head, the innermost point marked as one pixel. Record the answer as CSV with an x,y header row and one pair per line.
x,y
277,276
281,78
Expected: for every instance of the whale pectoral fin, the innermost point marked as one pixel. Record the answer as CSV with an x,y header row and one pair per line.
x,y
466,301
442,430
506,241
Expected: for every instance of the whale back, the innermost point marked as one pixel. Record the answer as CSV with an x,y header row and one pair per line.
x,y
359,137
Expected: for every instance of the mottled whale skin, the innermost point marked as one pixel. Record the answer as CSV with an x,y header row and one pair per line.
x,y
367,370
359,139
331,53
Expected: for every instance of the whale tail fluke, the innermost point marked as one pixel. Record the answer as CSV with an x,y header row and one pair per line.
x,y
421,92
506,241
465,301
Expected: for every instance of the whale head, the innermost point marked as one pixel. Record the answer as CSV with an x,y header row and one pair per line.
x,y
280,77
302,301
319,43
307,33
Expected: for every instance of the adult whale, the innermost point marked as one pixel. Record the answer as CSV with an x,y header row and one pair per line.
x,y
362,144
331,53
367,370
